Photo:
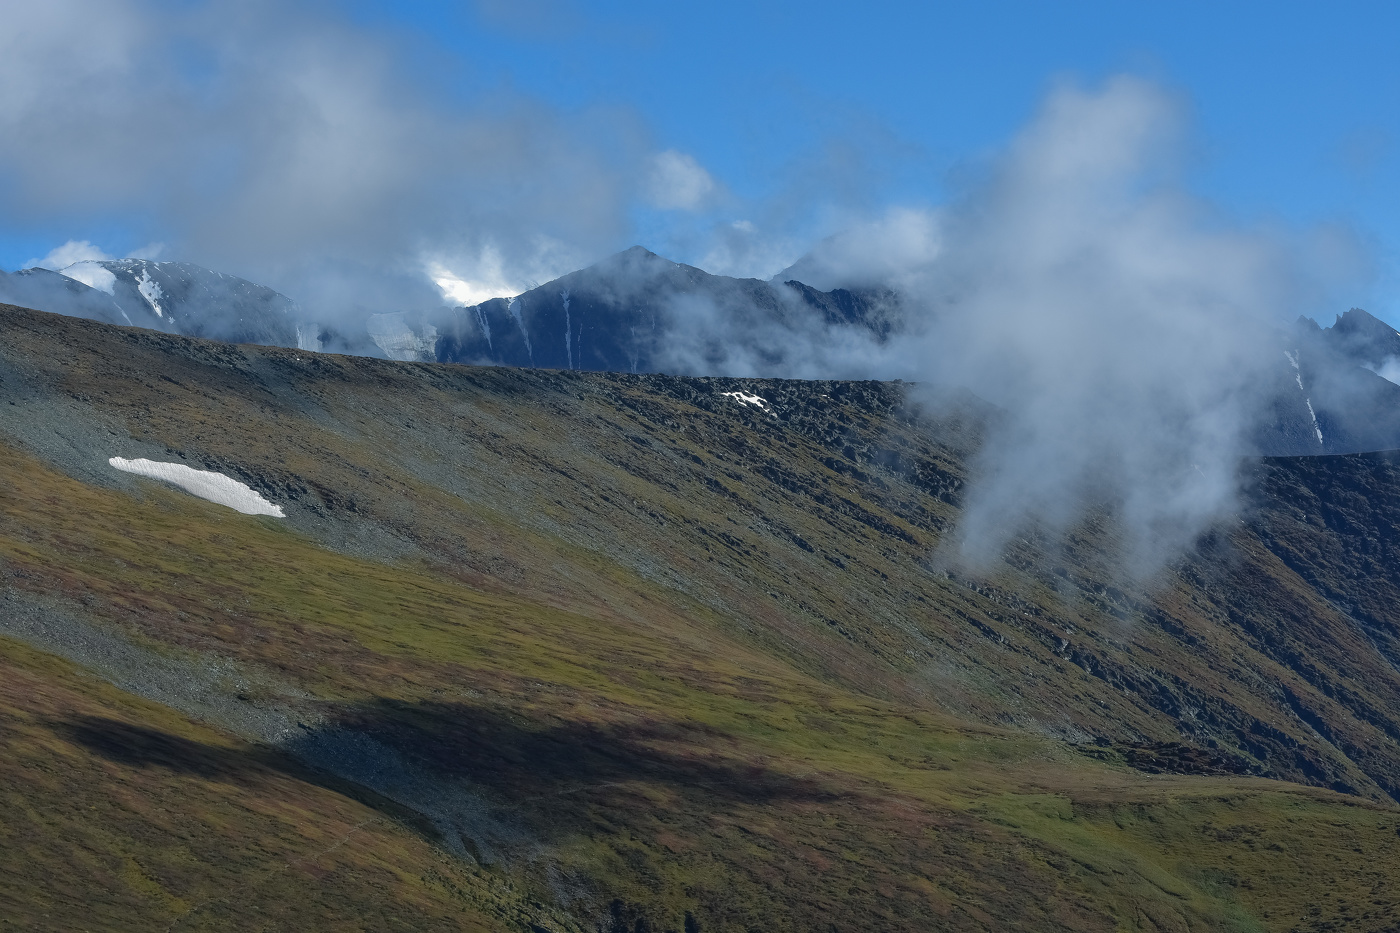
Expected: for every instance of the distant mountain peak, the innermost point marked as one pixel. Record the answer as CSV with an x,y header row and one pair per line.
x,y
175,297
1363,338
1360,321
636,311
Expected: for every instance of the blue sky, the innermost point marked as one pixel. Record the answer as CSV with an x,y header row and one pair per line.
x,y
810,115
1296,106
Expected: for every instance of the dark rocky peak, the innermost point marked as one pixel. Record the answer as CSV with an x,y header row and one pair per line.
x,y
1364,338
1331,391
639,312
873,308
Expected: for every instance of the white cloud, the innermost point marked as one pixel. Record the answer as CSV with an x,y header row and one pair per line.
x,y
677,182
740,248
1129,332
305,151
61,257
1125,327
885,251
473,291
92,275
149,251
1389,370
469,278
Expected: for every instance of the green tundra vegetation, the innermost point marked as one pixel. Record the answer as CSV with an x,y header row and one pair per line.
x,y
571,652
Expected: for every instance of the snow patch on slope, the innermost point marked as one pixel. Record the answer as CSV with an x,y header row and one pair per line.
x,y
514,308
485,326
744,398
568,329
1297,373
216,487
1298,377
1316,429
150,290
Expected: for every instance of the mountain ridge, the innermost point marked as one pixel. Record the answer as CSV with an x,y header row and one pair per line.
x,y
627,312
171,297
638,312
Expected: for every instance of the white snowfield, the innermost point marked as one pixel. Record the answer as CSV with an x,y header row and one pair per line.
x,y
744,398
216,487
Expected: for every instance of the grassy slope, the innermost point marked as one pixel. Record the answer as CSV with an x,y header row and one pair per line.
x,y
121,815
692,657
808,536
677,771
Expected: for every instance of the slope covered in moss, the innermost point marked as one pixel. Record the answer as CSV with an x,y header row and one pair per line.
x,y
604,651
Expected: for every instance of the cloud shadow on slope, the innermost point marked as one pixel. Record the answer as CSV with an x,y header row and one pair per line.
x,y
484,782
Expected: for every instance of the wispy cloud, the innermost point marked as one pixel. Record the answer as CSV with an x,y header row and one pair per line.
x,y
887,251
61,257
1128,329
284,143
675,181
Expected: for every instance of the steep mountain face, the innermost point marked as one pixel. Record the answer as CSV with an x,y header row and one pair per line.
x,y
1362,338
174,297
1327,395
633,312
637,312
545,650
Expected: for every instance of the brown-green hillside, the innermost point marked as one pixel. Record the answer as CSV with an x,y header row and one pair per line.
x,y
577,651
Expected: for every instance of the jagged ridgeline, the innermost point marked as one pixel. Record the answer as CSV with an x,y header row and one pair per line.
x,y
632,312
1330,390
540,650
629,312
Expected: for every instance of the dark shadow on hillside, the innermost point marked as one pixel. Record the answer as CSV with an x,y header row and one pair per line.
x,y
141,747
245,765
514,758
487,781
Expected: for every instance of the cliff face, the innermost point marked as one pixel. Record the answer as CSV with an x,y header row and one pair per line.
x,y
589,650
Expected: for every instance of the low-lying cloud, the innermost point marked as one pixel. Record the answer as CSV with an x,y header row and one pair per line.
x,y
1127,329
1130,332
